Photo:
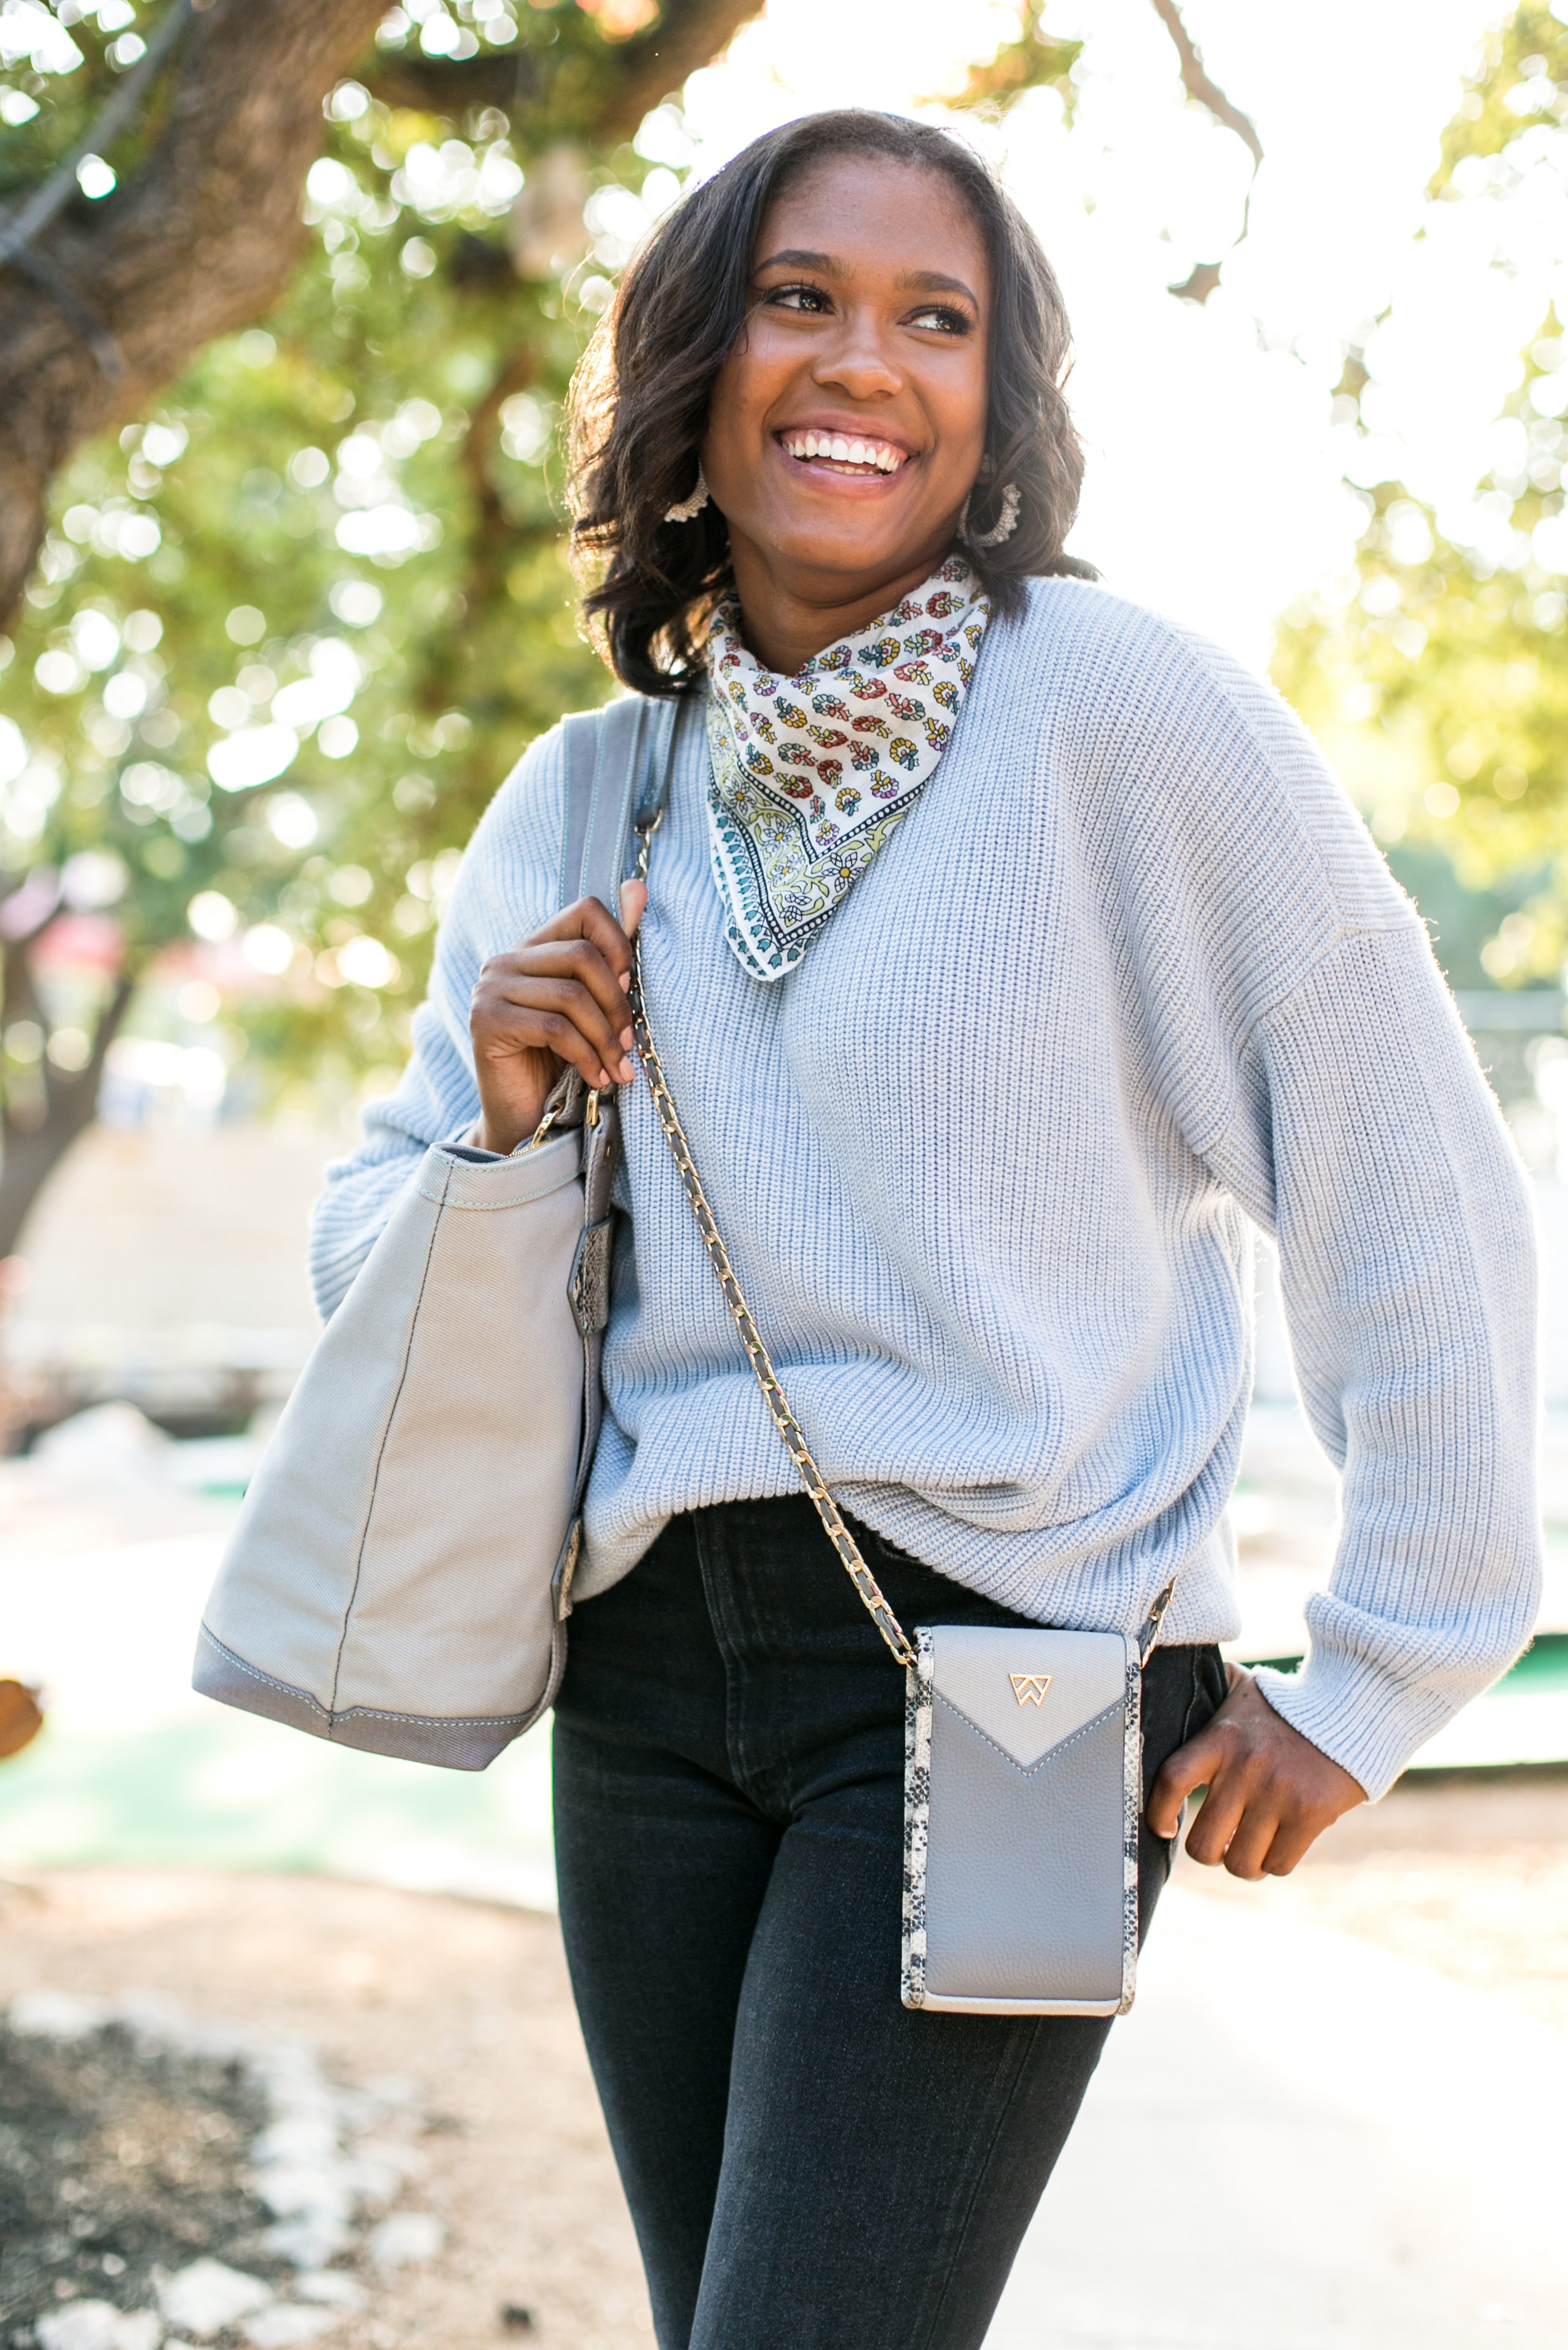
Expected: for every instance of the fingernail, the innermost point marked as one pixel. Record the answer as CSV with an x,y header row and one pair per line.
x,y
627,1073
626,1039
626,980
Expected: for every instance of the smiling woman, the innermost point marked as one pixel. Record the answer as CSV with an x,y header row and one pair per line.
x,y
934,325
1007,949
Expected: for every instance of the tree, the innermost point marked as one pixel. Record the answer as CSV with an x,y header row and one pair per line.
x,y
1039,60
1441,684
112,287
353,507
289,600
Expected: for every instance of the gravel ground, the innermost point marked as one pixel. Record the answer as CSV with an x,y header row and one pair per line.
x,y
114,2165
471,2005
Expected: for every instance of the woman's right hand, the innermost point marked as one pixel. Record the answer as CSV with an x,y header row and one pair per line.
x,y
558,1000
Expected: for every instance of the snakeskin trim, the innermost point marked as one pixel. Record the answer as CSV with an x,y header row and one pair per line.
x,y
588,1288
917,1817
1132,1812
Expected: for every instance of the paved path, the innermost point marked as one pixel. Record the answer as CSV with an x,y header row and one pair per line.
x,y
1297,2142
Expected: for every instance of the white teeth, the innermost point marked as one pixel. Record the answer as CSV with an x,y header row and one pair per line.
x,y
842,451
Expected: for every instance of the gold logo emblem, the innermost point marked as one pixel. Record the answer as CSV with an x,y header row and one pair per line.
x,y
1029,1688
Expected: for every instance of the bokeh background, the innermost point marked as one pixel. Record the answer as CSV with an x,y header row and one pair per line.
x,y
281,523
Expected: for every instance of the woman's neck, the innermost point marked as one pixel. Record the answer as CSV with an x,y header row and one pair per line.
x,y
784,620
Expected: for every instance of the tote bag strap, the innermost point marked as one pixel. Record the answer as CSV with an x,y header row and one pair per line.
x,y
617,766
618,758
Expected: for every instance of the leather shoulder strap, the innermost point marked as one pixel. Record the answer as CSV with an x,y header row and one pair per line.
x,y
609,753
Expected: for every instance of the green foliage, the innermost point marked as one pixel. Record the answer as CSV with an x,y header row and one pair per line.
x,y
57,83
1440,690
1035,60
1437,680
1518,85
289,633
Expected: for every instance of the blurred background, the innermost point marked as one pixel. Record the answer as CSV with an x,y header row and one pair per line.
x,y
288,304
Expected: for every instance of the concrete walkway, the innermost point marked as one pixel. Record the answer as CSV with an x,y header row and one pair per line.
x,y
1297,2142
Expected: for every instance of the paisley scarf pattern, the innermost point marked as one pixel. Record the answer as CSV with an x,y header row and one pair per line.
x,y
811,774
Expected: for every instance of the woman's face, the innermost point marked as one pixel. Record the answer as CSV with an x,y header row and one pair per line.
x,y
848,425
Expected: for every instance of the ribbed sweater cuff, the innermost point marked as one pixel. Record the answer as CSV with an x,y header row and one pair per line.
x,y
1355,1715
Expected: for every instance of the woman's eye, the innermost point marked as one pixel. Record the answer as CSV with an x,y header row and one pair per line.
x,y
797,297
946,321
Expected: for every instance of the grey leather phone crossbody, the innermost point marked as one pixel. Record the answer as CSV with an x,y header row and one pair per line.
x,y
1023,1749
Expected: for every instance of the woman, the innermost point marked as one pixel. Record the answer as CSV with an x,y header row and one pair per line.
x,y
1008,948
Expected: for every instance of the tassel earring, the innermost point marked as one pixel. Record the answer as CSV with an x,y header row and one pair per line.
x,y
689,508
1011,505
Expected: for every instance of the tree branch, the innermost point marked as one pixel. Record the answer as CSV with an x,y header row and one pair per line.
x,y
1207,92
205,235
494,536
69,304
507,79
616,83
1197,85
202,240
689,33
61,184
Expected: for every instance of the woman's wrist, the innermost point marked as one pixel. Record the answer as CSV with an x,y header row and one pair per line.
x,y
502,1130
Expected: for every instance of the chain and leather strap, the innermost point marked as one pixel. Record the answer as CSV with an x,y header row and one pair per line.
x,y
784,1419
849,1552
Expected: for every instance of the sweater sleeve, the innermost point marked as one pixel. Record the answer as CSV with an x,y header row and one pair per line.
x,y
1407,1264
505,889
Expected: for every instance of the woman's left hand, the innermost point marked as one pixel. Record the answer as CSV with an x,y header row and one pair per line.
x,y
1271,1791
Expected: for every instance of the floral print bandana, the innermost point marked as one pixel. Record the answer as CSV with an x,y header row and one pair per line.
x,y
811,774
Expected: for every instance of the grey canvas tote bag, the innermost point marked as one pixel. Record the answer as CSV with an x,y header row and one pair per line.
x,y
399,1576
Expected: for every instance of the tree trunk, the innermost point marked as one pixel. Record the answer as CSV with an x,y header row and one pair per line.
x,y
31,1153
31,1158
202,239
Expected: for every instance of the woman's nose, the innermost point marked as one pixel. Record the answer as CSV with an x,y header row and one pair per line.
x,y
858,363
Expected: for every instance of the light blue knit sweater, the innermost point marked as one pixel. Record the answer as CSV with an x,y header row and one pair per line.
x,y
1130,973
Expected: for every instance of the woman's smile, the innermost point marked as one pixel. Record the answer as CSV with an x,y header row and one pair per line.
x,y
832,449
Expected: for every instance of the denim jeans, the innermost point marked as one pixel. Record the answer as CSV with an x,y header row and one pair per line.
x,y
809,2165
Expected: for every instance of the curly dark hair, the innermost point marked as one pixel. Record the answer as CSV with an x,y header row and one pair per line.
x,y
638,404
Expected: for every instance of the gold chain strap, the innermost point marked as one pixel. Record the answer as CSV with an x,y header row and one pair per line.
x,y
785,1420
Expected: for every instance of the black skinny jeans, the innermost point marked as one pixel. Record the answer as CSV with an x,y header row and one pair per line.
x,y
809,2165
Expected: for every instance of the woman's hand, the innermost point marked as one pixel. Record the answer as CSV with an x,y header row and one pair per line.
x,y
557,1000
1271,1791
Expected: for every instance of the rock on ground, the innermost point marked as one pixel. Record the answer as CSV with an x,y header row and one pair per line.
x,y
518,2198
